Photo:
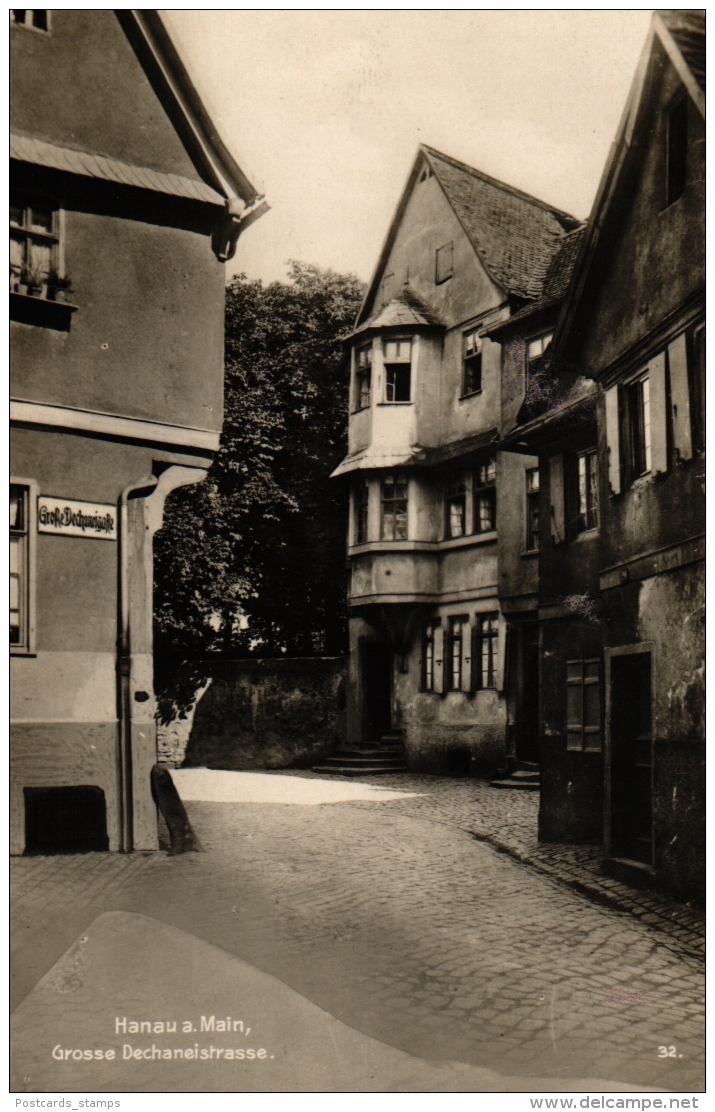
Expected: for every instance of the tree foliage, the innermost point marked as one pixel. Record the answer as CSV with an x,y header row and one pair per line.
x,y
253,558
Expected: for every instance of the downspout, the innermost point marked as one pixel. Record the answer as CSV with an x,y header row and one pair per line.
x,y
124,667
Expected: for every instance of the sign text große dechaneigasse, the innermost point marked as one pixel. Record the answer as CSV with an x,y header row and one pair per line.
x,y
76,519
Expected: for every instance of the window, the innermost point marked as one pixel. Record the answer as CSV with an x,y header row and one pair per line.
x,y
443,263
532,509
19,563
697,388
363,377
30,18
472,382
677,154
428,656
583,706
587,491
458,628
456,510
637,401
536,347
394,509
485,496
488,641
398,367
34,246
361,510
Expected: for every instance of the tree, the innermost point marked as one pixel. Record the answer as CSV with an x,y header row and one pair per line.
x,y
253,558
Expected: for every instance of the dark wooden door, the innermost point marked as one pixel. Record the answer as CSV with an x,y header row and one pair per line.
x,y
631,758
377,668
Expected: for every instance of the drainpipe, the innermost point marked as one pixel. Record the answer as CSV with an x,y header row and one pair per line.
x,y
124,668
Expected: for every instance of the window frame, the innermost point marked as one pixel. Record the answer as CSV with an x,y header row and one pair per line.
x,y
361,511
487,490
31,26
391,364
54,240
457,634
636,430
486,634
28,642
363,373
395,480
590,520
428,675
532,509
470,361
455,493
441,273
580,728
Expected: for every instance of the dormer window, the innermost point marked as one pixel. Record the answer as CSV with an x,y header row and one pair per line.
x,y
25,17
363,377
444,261
472,380
398,370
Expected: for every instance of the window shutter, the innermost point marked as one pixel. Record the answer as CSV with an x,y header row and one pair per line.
x,y
439,668
680,397
466,657
658,415
613,439
556,471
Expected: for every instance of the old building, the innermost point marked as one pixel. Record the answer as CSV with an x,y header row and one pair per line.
x,y
124,205
436,508
614,409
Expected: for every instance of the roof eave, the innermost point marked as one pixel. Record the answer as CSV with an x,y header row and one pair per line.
x,y
165,69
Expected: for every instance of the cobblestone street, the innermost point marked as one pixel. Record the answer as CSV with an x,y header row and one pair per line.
x,y
393,917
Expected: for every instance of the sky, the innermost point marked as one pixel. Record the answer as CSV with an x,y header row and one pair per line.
x,y
325,110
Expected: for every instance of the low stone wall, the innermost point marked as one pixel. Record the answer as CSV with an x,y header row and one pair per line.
x,y
257,714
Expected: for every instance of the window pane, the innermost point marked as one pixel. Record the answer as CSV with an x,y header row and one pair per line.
x,y
591,669
592,742
14,592
40,258
485,512
17,253
41,218
400,521
573,741
15,555
573,705
532,479
17,507
645,388
17,214
535,348
456,517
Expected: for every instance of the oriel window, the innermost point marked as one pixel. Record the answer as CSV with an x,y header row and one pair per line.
x,y
361,493
472,381
394,508
456,510
532,509
398,370
587,494
363,377
485,496
487,645
583,705
18,567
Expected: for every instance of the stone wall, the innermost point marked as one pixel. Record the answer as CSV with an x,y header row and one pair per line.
x,y
255,714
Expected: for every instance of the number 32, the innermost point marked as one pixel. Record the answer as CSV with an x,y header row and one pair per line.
x,y
667,1052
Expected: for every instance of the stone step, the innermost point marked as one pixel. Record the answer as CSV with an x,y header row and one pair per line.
x,y
362,770
522,785
361,762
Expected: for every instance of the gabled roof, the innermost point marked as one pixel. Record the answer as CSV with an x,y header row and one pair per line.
x,y
515,235
681,34
171,82
404,311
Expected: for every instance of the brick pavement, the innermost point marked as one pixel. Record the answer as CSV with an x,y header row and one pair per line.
x,y
392,917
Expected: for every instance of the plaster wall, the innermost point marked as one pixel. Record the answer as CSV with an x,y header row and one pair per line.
x,y
101,99
517,572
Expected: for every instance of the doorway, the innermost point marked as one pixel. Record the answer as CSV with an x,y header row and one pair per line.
x,y
631,758
377,666
527,731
